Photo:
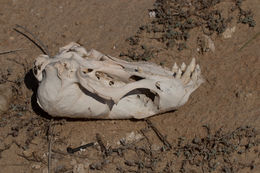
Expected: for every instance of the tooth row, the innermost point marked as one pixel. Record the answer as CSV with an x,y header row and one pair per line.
x,y
185,73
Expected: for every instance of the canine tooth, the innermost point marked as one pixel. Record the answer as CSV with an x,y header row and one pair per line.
x,y
175,68
183,66
196,73
198,68
194,76
178,76
192,64
189,70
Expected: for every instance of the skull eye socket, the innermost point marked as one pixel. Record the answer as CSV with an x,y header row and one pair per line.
x,y
35,70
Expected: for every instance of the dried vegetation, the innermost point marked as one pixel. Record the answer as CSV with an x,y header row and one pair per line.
x,y
174,19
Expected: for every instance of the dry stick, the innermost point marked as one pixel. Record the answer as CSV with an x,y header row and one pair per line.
x,y
73,150
254,37
101,144
32,159
41,46
147,139
10,51
158,133
67,154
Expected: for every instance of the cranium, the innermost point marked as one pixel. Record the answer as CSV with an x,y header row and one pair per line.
x,y
88,84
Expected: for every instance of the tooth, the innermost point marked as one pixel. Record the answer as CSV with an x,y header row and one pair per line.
x,y
178,76
194,76
198,68
175,68
189,70
192,64
183,67
196,73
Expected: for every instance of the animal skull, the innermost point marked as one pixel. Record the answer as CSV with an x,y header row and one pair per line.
x,y
81,84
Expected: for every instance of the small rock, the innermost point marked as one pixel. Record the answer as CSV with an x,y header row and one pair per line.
x,y
228,32
45,170
73,162
36,166
60,168
5,97
27,153
205,43
155,147
152,14
79,168
131,137
86,163
11,38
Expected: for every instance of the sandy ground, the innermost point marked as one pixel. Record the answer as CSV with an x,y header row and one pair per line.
x,y
230,97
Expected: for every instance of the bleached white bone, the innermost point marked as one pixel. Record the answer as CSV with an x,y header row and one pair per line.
x,y
88,84
175,68
183,66
178,75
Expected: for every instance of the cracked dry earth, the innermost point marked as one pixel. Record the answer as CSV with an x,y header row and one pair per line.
x,y
216,131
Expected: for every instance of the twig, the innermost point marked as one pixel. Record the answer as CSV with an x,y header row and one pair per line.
x,y
73,150
147,139
101,144
41,46
10,51
67,154
49,138
246,43
206,126
21,164
158,133
32,158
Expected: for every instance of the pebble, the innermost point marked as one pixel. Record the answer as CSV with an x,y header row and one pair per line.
x,y
228,32
131,137
27,153
45,170
36,166
206,44
5,97
79,168
152,14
